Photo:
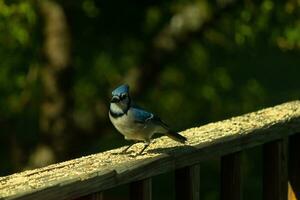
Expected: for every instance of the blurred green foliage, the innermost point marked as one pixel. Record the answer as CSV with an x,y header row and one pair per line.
x,y
191,62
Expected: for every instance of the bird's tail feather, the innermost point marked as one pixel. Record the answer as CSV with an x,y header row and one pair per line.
x,y
176,136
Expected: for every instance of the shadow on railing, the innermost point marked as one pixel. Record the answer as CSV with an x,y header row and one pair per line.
x,y
87,177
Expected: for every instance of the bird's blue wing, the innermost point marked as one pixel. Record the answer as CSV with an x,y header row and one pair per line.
x,y
142,116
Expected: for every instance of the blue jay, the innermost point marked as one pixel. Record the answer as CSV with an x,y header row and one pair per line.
x,y
135,123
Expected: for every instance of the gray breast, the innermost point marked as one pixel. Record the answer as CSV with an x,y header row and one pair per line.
x,y
127,126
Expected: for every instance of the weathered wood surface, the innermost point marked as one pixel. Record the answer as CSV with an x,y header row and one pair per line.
x,y
141,190
187,183
231,176
105,170
94,196
275,174
294,167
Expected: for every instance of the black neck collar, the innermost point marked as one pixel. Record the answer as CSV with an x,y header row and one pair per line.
x,y
116,115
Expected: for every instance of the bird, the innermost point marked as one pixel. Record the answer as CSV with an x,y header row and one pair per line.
x,y
135,123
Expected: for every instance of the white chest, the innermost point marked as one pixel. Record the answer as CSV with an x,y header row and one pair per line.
x,y
122,124
131,130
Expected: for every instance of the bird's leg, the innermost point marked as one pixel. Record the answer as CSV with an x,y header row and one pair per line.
x,y
125,150
146,145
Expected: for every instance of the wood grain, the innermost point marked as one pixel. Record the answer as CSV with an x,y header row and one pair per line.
x,y
94,196
98,172
231,176
187,183
294,167
141,190
275,179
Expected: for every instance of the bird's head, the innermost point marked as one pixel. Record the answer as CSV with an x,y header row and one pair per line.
x,y
120,97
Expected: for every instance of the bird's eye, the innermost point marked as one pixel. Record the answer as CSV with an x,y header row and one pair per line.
x,y
123,96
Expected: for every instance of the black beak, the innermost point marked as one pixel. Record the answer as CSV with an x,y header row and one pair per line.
x,y
115,99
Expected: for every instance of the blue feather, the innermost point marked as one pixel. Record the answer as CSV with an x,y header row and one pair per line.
x,y
141,116
120,90
134,122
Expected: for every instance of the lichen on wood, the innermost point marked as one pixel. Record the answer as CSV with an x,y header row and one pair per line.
x,y
97,172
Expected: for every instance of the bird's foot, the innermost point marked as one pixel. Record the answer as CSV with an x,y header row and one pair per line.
x,y
124,151
141,152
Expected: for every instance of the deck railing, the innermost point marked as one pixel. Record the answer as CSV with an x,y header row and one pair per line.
x,y
87,177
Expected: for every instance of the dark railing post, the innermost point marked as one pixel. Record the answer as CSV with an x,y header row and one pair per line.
x,y
294,167
141,190
275,182
231,176
187,183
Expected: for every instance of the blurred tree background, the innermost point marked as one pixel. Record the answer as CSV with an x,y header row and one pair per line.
x,y
190,61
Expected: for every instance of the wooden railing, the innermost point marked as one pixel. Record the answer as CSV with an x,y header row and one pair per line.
x,y
87,177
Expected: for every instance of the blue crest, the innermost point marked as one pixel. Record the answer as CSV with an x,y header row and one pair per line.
x,y
120,90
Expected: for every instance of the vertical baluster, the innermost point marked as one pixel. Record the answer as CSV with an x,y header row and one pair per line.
x,y
231,176
187,183
141,190
275,182
294,167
